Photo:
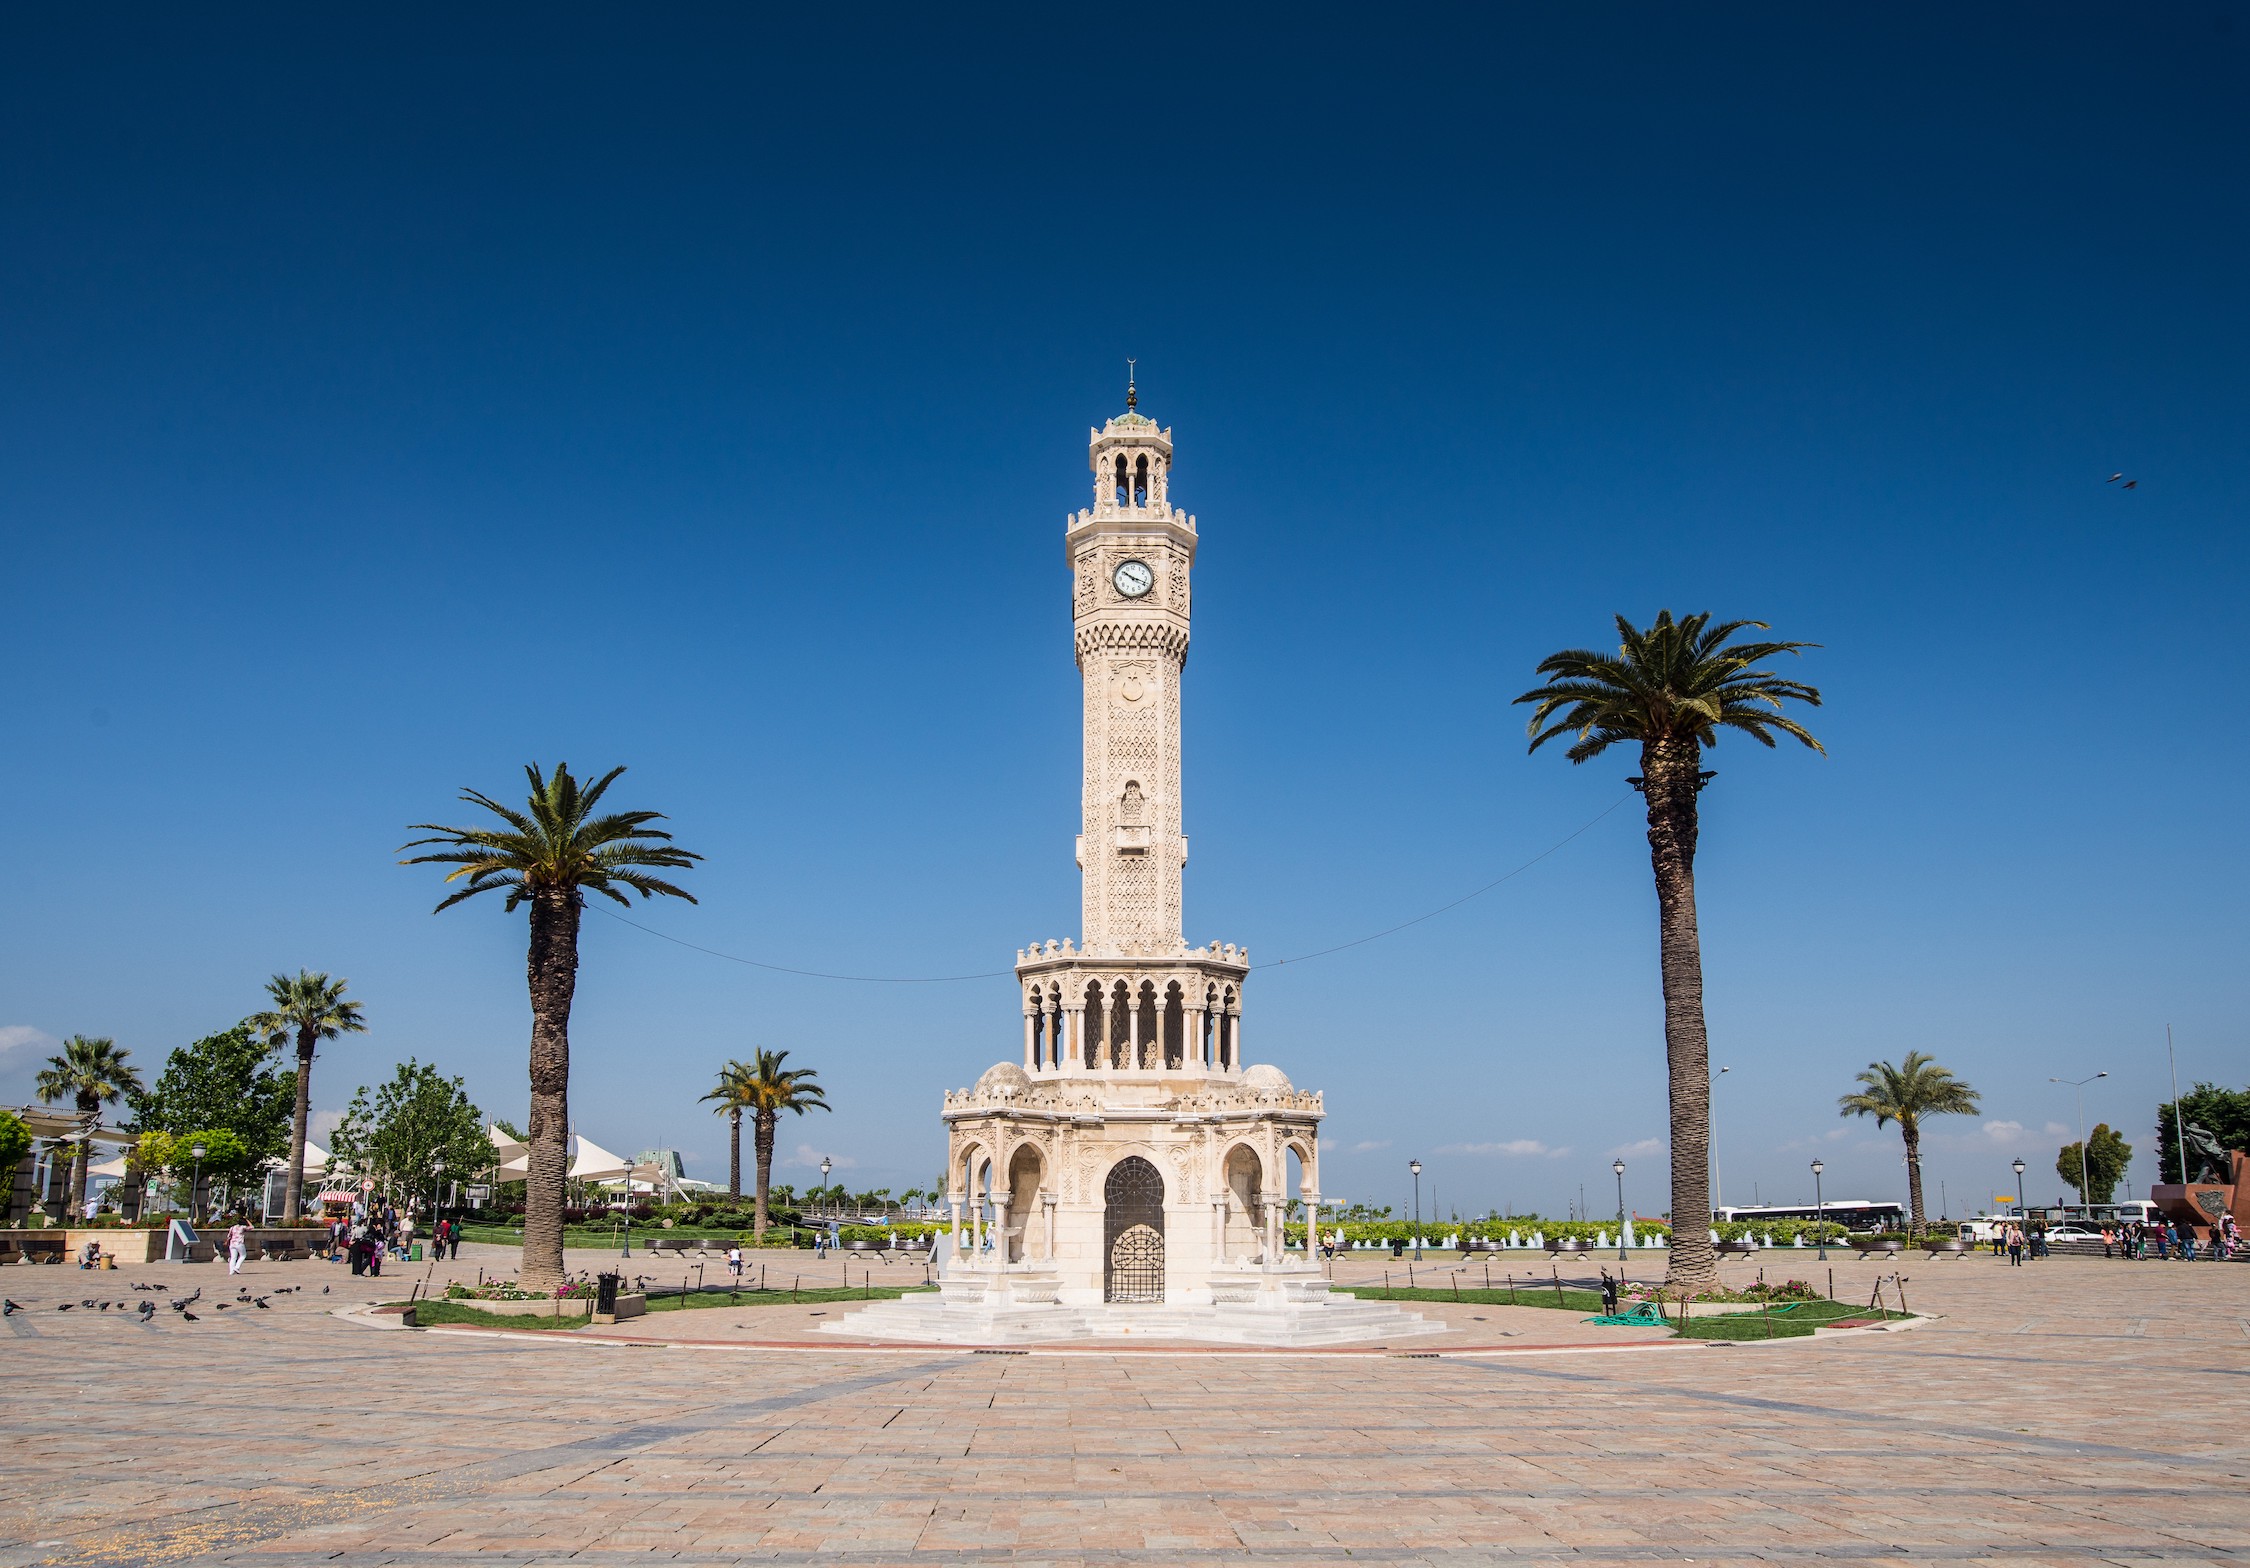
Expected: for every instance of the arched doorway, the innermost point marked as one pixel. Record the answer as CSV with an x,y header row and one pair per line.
x,y
1133,1232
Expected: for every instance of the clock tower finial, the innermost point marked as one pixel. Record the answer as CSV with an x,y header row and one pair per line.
x,y
1132,398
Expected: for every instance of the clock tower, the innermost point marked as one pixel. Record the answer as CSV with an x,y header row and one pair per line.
x,y
1133,1162
1130,557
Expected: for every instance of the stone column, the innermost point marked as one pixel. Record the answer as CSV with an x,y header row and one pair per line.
x,y
1219,1229
1191,1020
1048,1202
1133,1028
1000,1228
953,1202
1312,1227
1074,1034
1030,1031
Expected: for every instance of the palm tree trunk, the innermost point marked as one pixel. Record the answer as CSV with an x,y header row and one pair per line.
x,y
1670,779
81,1158
1913,1135
734,1152
292,1195
761,1140
553,973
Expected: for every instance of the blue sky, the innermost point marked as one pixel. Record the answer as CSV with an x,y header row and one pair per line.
x,y
387,400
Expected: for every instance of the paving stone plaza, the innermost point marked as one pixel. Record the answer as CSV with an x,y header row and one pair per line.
x,y
2068,1412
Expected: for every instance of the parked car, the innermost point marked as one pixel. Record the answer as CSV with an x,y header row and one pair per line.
x,y
2061,1233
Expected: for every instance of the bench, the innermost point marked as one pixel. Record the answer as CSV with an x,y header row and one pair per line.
x,y
1946,1249
282,1252
41,1249
1868,1247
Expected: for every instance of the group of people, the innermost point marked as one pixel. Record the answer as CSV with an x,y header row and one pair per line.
x,y
2171,1239
2134,1239
369,1234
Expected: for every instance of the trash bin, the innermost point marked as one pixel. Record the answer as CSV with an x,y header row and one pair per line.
x,y
1398,1249
605,1294
414,1253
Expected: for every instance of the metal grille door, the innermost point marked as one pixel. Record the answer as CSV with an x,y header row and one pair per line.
x,y
1133,1232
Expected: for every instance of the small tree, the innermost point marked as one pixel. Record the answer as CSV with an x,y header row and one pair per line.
x,y
15,1143
90,1074
306,1010
2224,1113
1916,1088
223,1080
2103,1166
413,1121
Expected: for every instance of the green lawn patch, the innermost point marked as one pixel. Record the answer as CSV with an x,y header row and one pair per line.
x,y
1525,1294
429,1311
1796,1323
720,1296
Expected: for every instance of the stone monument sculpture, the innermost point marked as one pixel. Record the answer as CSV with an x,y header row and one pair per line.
x,y
1129,1171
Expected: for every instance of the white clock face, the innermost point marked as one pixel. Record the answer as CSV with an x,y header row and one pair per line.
x,y
1133,578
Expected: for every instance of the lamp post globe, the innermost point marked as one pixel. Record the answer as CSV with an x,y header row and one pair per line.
x,y
1416,1167
1619,1167
1820,1212
195,1185
2017,1166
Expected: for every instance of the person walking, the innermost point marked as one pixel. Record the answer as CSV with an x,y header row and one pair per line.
x,y
453,1239
2109,1240
734,1260
238,1246
2015,1246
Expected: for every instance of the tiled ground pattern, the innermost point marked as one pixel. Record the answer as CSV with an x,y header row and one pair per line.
x,y
2071,1412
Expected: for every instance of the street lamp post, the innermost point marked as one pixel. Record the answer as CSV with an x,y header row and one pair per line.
x,y
825,1168
2085,1192
1416,1167
2017,1166
437,1196
195,1185
1619,1167
1711,1142
1820,1212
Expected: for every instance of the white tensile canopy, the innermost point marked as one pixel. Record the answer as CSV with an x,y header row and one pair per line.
x,y
597,1164
511,1157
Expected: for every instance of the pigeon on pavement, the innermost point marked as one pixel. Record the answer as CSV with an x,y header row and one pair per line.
x,y
191,1317
11,1309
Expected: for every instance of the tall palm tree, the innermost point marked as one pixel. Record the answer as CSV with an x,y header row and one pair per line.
x,y
1916,1088
773,1089
90,1074
734,1097
548,856
1671,688
306,1010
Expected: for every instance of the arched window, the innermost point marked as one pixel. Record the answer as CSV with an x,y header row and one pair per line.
x,y
1124,482
1140,481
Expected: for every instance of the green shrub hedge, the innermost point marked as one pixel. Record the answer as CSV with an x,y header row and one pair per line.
x,y
1783,1233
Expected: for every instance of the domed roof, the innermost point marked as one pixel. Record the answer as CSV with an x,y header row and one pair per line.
x,y
1264,1075
1003,1078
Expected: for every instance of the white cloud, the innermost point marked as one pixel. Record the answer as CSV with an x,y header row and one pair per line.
x,y
1833,1135
1369,1145
2003,1132
17,1037
1647,1148
2057,1130
322,1124
1512,1146
808,1158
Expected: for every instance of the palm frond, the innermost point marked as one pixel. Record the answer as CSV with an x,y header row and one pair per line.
x,y
1683,678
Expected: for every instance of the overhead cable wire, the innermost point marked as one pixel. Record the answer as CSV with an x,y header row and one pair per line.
x,y
995,974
